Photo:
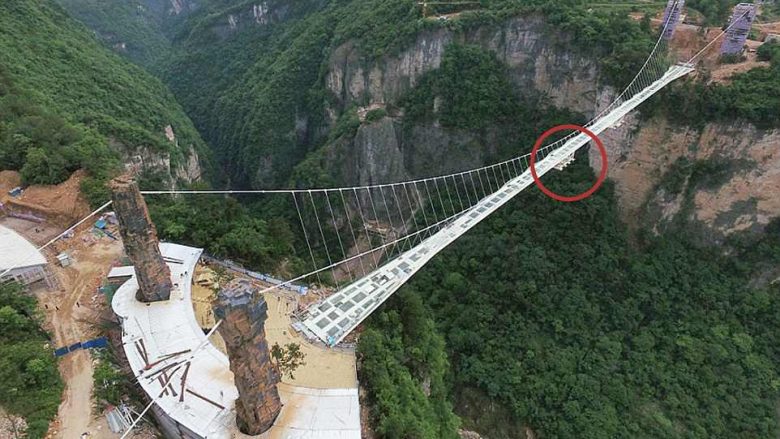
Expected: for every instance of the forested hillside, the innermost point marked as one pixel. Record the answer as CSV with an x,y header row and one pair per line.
x,y
253,78
547,308
133,28
548,316
31,386
67,103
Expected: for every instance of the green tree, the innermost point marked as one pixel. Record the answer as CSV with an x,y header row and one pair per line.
x,y
288,359
31,386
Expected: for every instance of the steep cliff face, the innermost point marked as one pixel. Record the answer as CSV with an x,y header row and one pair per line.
x,y
731,173
224,23
261,13
724,177
535,66
570,80
181,166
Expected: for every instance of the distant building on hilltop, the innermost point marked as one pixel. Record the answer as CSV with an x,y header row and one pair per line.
x,y
739,27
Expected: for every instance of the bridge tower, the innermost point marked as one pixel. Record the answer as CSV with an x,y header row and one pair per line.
x,y
140,240
243,314
672,14
741,20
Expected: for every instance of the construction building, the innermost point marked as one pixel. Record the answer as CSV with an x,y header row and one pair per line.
x,y
27,265
194,385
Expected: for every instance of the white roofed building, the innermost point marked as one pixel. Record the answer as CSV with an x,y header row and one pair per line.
x,y
26,264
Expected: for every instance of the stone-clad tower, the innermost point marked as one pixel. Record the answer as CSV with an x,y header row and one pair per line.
x,y
243,316
140,240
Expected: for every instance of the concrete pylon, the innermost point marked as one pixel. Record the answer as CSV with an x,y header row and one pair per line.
x,y
243,314
140,240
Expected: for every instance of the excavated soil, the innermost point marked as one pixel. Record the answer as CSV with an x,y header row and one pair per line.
x,y
61,203
72,315
324,368
8,181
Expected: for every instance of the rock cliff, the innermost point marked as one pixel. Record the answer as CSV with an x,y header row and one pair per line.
x,y
535,66
182,166
641,152
570,80
723,177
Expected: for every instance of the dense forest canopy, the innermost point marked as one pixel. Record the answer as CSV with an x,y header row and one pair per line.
x,y
249,88
257,93
549,309
31,386
66,102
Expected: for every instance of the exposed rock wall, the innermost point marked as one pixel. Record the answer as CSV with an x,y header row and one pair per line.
x,y
569,79
185,167
745,196
534,63
243,314
258,14
139,237
640,152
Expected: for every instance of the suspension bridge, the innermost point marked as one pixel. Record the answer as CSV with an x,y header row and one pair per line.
x,y
370,240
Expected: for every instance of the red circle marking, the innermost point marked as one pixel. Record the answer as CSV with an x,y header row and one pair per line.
x,y
602,174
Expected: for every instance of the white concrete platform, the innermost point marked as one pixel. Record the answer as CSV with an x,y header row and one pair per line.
x,y
159,340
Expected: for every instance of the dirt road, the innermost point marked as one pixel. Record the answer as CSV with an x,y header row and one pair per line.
x,y
72,315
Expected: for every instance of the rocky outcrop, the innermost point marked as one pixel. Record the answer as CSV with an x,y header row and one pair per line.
x,y
259,14
243,314
742,197
377,147
186,168
468,434
639,152
386,150
189,169
139,237
180,6
524,44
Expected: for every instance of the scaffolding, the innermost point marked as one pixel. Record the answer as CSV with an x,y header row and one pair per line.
x,y
672,15
739,28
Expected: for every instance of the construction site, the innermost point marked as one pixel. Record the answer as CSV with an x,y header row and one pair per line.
x,y
196,334
202,361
